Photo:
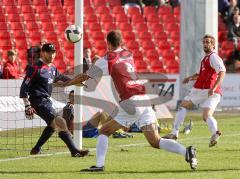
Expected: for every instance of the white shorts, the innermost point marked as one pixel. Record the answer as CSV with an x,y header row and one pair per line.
x,y
200,96
142,116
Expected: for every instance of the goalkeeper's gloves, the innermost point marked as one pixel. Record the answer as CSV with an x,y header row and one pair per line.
x,y
29,112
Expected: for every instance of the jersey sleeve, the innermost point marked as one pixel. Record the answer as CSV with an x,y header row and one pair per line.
x,y
60,76
99,69
31,75
217,63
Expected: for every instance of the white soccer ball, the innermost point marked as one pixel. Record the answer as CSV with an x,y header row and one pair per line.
x,y
73,33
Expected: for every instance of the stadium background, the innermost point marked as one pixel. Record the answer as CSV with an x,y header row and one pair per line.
x,y
153,35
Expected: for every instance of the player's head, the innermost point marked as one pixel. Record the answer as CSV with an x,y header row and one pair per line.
x,y
87,52
11,54
208,43
71,96
48,52
114,40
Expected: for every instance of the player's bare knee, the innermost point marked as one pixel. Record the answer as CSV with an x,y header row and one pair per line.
x,y
154,143
205,117
186,104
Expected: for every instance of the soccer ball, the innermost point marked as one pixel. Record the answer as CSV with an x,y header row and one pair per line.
x,y
73,33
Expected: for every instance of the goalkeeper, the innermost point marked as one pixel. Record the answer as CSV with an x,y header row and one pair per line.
x,y
36,90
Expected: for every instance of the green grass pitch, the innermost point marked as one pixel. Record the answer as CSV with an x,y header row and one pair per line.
x,y
134,158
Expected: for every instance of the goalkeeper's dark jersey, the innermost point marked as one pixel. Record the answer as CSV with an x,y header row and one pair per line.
x,y
38,81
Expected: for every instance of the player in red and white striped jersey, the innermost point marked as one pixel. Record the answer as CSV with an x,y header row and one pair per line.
x,y
206,91
118,63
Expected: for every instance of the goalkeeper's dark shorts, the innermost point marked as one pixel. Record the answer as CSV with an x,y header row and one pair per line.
x,y
44,109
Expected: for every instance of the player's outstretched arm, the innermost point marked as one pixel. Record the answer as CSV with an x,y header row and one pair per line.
x,y
78,80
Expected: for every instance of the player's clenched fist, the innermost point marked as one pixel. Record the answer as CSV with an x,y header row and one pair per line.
x,y
29,112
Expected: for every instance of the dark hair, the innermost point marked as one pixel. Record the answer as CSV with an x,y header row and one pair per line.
x,y
114,38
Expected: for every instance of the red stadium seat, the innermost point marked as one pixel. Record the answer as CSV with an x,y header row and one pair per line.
x,y
133,11
109,26
227,45
24,2
160,36
2,18
54,3
19,35
163,45
14,26
155,27
21,44
88,10
29,17
42,9
27,9
71,2
177,11
4,35
5,45
91,18
57,10
152,55
32,26
100,45
34,36
144,36
149,10
141,66
163,10
94,27
136,19
157,66
99,3
132,45
105,18
13,18
47,26
118,10
153,18
141,27
172,27
128,35
97,35
3,26
11,9
113,3
222,36
148,45
8,2
44,17
121,18
39,3
125,26
168,18
102,10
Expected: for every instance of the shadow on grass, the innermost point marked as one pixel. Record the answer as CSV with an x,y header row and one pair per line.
x,y
121,172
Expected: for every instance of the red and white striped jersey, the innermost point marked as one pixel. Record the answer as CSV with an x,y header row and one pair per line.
x,y
211,65
120,66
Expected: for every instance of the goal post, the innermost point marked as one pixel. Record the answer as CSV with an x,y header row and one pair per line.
x,y
78,61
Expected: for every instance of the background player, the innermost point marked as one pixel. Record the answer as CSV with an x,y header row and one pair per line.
x,y
119,64
206,91
36,90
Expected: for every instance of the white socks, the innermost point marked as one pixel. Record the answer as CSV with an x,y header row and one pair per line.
x,y
101,150
179,118
172,146
212,124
